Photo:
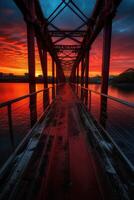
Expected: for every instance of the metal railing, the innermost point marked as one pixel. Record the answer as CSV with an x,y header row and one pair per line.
x,y
115,122
18,116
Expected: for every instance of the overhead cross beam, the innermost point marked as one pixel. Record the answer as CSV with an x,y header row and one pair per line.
x,y
61,33
67,47
72,35
96,23
84,38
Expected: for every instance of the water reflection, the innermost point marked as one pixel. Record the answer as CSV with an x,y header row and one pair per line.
x,y
125,93
116,118
26,112
33,104
103,111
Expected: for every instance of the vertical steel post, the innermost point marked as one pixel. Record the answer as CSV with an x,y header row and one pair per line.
x,y
31,61
86,67
53,78
10,122
44,54
86,74
31,44
106,56
105,69
82,76
31,52
43,60
46,92
82,70
33,104
90,101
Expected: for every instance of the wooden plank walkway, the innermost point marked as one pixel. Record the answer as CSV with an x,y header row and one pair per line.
x,y
70,174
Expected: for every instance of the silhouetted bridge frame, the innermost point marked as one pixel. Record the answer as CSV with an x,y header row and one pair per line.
x,y
37,28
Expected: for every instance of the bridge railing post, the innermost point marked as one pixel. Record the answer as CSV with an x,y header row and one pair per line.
x,y
86,67
53,78
86,74
90,101
105,69
33,104
10,123
82,76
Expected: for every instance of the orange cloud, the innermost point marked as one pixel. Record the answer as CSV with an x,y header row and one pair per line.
x,y
13,52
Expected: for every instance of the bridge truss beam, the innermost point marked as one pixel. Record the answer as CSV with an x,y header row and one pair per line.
x,y
34,18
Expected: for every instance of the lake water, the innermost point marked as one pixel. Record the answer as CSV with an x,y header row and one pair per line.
x,y
120,122
13,90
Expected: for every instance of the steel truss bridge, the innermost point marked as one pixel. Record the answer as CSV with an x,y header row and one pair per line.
x,y
68,153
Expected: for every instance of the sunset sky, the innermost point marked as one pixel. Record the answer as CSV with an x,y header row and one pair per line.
x,y
13,47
